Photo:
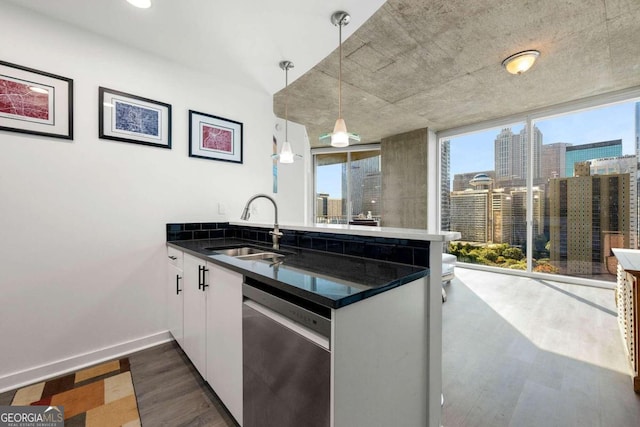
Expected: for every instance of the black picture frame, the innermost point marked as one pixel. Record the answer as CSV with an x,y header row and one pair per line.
x,y
35,102
131,118
215,138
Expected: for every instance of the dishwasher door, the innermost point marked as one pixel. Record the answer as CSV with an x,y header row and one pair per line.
x,y
286,370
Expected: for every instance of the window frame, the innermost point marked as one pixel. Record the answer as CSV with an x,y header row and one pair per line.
x,y
530,118
332,150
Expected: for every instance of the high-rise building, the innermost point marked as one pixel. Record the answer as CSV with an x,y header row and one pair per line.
x,y
614,165
622,165
462,181
470,215
638,175
585,152
638,130
512,154
603,201
328,210
321,206
519,214
503,152
553,160
537,151
362,164
501,217
482,214
445,186
334,210
371,188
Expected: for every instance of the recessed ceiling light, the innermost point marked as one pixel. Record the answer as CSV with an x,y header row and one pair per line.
x,y
142,4
520,62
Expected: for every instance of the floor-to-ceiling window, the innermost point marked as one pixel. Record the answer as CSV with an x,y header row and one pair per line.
x,y
590,179
553,193
347,186
485,196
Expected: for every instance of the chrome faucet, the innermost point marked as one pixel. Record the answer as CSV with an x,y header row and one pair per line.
x,y
276,230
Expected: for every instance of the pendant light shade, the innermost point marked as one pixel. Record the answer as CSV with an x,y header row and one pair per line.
x,y
340,137
286,153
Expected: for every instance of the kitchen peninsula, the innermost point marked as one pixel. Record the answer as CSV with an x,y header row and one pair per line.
x,y
378,316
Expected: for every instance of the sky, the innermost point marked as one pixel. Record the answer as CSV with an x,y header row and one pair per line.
x,y
474,152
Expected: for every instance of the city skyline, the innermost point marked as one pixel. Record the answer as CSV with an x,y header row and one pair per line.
x,y
475,152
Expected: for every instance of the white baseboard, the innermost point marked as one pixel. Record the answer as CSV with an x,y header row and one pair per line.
x,y
64,366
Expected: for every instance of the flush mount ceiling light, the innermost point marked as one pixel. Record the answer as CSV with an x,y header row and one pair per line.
x,y
520,62
286,153
340,137
142,4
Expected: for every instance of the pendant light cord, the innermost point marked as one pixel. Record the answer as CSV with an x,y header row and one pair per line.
x,y
340,71
286,103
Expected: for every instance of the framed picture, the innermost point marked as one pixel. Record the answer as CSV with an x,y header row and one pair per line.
x,y
35,102
130,118
214,138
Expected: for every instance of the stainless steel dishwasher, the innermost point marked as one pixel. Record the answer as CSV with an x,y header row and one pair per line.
x,y
286,363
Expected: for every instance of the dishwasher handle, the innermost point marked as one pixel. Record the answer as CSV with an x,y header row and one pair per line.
x,y
289,310
305,332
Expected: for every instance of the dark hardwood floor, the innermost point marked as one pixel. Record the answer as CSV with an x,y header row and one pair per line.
x,y
169,390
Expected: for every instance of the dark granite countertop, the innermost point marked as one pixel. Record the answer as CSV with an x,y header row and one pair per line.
x,y
326,279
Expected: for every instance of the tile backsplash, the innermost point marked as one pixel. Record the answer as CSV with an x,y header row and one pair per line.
x,y
405,251
199,230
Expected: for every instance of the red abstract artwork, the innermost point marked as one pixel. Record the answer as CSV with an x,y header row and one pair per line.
x,y
218,139
18,99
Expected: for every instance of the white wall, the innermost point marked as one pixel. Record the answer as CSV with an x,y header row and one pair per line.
x,y
294,178
83,257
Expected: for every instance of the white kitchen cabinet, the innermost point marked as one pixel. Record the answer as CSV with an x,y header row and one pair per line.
x,y
195,312
211,325
175,300
224,337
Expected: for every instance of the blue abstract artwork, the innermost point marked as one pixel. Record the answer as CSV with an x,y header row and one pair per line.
x,y
137,119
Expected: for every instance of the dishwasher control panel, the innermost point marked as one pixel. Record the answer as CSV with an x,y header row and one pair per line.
x,y
301,315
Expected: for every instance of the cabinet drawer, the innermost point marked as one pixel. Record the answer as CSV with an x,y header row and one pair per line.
x,y
175,257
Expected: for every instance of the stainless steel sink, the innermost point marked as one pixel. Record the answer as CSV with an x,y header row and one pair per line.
x,y
248,253
235,252
263,255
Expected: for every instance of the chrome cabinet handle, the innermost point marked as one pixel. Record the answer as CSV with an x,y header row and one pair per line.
x,y
173,257
178,290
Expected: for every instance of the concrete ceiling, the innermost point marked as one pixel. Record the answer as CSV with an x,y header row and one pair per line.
x,y
239,41
437,63
407,64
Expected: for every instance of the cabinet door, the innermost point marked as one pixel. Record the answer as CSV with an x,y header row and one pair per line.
x,y
224,338
175,308
195,309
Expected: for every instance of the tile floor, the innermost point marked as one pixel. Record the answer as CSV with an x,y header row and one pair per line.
x,y
524,352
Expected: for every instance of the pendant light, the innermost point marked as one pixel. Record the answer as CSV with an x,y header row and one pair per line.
x,y
340,137
286,153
